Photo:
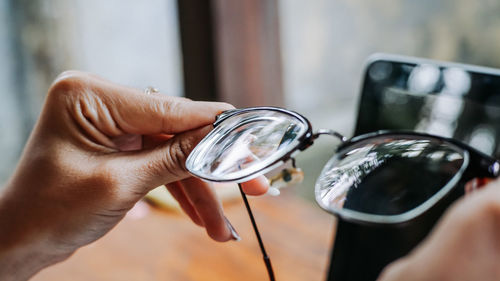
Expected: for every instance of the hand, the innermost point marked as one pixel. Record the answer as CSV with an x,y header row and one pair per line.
x,y
96,150
465,245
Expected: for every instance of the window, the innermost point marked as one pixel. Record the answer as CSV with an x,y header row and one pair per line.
x,y
126,41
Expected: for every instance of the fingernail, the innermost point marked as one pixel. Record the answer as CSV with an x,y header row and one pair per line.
x,y
234,234
273,191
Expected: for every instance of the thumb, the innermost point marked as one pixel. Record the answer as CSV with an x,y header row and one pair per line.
x,y
165,163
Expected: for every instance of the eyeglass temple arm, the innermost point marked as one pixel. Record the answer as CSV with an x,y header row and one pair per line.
x,y
267,260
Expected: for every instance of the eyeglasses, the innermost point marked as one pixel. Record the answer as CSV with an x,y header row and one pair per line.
x,y
378,178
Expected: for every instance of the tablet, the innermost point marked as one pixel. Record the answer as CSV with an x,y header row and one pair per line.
x,y
447,99
405,93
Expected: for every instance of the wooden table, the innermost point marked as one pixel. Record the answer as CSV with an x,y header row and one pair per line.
x,y
164,245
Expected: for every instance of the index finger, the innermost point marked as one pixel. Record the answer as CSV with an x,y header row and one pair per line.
x,y
109,106
257,186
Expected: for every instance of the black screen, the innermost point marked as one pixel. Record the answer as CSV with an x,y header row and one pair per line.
x,y
458,101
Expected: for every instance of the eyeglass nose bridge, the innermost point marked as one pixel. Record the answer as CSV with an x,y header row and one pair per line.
x,y
320,132
330,133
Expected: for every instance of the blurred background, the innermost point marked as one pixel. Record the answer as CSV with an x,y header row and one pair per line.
x,y
304,55
307,56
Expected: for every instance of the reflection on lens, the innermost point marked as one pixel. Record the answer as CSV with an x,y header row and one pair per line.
x,y
248,144
244,144
387,175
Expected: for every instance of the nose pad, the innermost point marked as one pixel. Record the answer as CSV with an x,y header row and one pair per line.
x,y
287,176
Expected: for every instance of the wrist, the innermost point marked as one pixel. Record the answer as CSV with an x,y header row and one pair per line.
x,y
24,248
21,262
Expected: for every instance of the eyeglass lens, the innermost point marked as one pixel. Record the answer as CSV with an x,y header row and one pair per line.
x,y
388,175
245,144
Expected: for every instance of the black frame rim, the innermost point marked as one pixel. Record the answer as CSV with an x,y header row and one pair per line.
x,y
405,217
363,218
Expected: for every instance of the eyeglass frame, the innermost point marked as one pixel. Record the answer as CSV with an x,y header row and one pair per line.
x,y
490,168
307,139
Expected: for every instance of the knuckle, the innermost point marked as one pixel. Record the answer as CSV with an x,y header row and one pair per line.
x,y
67,83
68,79
175,158
68,74
179,99
178,154
186,146
170,110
